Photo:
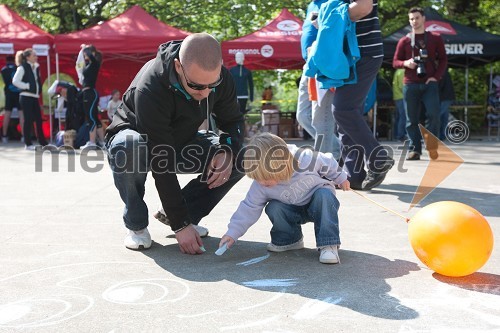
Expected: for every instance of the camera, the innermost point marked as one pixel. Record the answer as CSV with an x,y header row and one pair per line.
x,y
421,59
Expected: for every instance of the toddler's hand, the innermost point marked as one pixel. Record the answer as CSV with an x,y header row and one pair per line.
x,y
228,240
345,186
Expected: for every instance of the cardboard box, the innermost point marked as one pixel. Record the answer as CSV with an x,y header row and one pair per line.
x,y
273,129
270,117
286,131
287,121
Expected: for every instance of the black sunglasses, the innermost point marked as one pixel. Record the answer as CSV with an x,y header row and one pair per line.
x,y
196,86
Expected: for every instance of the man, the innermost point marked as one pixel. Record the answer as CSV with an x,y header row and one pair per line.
x,y
11,97
156,128
423,56
358,141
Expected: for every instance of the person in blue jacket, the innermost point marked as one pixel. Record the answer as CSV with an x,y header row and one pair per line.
x,y
359,144
11,97
309,33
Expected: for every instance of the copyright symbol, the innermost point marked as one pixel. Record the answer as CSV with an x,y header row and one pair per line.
x,y
457,131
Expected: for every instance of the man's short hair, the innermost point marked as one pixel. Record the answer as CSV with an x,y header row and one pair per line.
x,y
9,58
201,49
416,10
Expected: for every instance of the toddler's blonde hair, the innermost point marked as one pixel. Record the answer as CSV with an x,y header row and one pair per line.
x,y
267,158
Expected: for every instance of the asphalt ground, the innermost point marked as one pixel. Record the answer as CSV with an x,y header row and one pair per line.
x,y
64,267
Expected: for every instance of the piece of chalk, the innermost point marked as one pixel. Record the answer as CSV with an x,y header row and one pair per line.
x,y
203,248
221,249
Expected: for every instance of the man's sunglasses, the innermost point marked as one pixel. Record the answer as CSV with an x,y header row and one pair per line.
x,y
196,86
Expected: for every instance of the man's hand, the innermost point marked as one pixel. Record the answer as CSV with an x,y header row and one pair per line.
x,y
189,240
431,79
410,64
220,169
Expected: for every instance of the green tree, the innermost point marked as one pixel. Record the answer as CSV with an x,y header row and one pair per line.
x,y
228,19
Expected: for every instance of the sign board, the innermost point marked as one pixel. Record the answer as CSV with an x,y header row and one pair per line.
x,y
41,49
6,48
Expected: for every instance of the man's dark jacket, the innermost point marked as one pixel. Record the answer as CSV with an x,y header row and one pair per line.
x,y
154,106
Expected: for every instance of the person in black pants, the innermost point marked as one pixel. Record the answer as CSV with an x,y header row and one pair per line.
x,y
11,97
27,79
157,128
90,96
357,139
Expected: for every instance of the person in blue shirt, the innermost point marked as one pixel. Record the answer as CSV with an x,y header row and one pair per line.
x,y
11,97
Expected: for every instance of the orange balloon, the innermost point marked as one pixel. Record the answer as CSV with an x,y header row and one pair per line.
x,y
451,238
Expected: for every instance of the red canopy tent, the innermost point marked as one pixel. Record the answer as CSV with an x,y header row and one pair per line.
x,y
126,42
277,45
18,34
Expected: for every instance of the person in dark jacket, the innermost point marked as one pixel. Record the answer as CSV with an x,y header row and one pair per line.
x,y
157,127
27,79
446,98
11,97
90,97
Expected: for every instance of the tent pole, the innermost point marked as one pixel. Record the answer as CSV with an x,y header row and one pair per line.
x,y
57,66
50,99
57,78
466,110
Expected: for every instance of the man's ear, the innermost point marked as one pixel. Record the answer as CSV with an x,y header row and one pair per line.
x,y
177,65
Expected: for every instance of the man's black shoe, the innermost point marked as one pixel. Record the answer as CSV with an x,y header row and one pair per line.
x,y
413,156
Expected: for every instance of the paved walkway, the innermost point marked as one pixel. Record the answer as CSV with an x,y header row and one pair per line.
x,y
64,269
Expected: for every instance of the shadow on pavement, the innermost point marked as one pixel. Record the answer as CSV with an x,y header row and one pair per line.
x,y
480,282
358,283
485,203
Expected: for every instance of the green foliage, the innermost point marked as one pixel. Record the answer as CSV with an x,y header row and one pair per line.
x,y
228,19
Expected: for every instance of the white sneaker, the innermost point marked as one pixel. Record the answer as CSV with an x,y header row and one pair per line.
x,y
160,216
329,255
137,239
89,145
5,139
30,147
295,246
202,231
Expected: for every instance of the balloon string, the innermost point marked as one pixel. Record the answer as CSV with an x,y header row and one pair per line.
x,y
385,208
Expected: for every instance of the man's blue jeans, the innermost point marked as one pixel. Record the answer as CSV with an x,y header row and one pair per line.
x,y
326,140
287,219
129,160
428,94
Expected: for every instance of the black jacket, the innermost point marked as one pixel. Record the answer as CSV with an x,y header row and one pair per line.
x,y
153,106
29,77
